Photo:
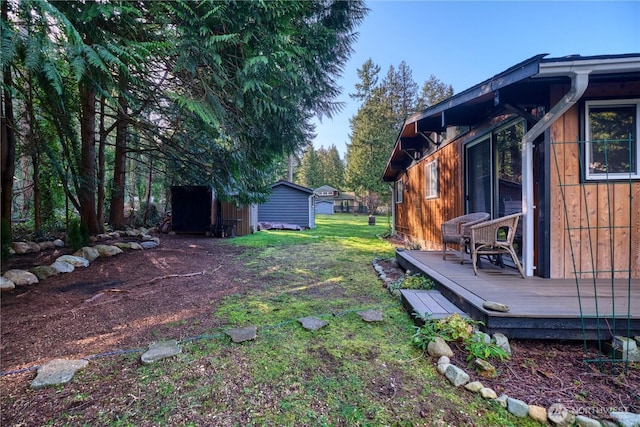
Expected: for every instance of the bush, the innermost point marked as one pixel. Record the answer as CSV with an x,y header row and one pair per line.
x,y
77,235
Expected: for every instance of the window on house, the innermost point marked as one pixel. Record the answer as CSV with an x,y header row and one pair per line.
x,y
611,134
431,179
399,190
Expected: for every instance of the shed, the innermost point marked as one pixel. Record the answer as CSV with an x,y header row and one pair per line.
x,y
289,203
191,208
197,209
324,206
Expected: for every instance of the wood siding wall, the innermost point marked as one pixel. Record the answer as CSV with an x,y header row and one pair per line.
x,y
288,205
418,218
229,211
581,232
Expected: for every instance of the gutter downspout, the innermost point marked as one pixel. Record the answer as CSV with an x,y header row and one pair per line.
x,y
579,83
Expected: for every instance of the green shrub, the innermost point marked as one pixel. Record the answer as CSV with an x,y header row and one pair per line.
x,y
77,235
456,328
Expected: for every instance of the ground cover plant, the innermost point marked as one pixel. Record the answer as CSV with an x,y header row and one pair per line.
x,y
194,289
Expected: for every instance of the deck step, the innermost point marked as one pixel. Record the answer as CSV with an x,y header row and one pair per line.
x,y
429,302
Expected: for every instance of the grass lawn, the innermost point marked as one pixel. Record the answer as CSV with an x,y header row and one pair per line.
x,y
349,373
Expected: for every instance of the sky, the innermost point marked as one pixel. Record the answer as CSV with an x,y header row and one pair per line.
x,y
463,43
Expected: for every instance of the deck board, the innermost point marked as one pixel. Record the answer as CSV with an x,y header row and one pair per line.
x,y
539,308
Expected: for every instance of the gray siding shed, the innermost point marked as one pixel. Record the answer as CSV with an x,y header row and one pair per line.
x,y
289,203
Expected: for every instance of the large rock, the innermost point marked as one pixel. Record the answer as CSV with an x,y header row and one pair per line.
x,y
149,245
456,376
559,415
44,271
439,347
58,243
63,267
371,315
20,277
108,250
6,284
76,261
47,245
87,252
57,371
312,323
243,334
538,413
21,247
626,419
160,350
503,342
34,246
517,407
128,245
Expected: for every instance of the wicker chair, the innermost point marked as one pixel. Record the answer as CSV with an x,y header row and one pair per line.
x,y
456,231
486,240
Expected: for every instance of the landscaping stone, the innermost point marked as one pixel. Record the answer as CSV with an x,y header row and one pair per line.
x,y
44,271
21,247
538,413
243,334
57,371
47,245
482,337
63,267
312,323
34,246
559,415
474,386
444,360
626,419
495,306
371,315
59,243
488,393
502,400
439,347
456,376
108,250
87,252
6,284
626,348
76,261
485,369
582,421
503,342
20,277
442,368
517,407
160,350
149,245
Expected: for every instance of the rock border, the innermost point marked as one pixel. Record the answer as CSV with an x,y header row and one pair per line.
x,y
82,258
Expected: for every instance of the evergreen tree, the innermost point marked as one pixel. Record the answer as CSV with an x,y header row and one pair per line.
x,y
433,91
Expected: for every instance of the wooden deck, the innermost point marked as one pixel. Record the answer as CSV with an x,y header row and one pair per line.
x,y
539,308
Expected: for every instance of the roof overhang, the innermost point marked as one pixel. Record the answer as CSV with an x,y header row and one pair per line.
x,y
526,82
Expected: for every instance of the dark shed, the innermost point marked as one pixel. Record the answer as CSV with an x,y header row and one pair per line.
x,y
289,203
191,209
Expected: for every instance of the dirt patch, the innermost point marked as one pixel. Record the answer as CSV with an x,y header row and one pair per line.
x,y
132,299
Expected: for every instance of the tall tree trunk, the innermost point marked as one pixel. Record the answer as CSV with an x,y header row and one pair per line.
x,y
35,157
87,169
102,142
148,193
8,143
116,210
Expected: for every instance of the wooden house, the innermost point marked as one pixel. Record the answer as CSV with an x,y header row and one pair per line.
x,y
288,203
553,138
330,200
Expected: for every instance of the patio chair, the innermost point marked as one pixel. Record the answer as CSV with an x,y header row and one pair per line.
x,y
456,231
488,239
